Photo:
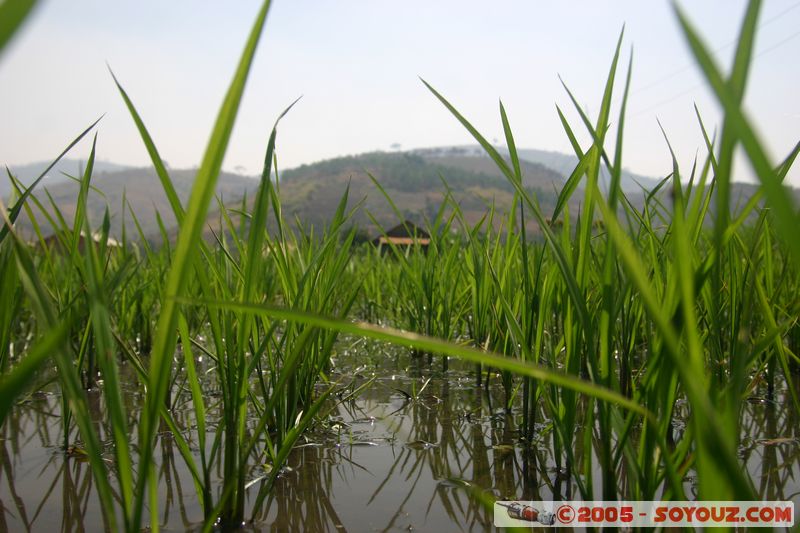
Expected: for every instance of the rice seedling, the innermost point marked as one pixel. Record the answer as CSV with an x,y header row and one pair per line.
x,y
713,380
627,331
428,278
664,271
284,360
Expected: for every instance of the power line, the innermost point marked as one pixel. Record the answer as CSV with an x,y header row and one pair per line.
x,y
778,44
668,100
716,51
765,51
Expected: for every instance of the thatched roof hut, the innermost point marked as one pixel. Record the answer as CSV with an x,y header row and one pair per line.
x,y
406,234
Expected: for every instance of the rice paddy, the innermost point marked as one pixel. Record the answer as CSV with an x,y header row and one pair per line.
x,y
279,378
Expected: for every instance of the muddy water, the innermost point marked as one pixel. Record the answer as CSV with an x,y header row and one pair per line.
x,y
393,459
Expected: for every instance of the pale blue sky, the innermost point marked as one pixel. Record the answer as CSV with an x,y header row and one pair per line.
x,y
357,65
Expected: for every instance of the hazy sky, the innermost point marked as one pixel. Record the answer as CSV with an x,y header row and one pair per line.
x,y
357,64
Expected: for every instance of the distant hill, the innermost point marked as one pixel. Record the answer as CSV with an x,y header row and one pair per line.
x,y
311,193
565,164
414,182
72,167
142,191
558,162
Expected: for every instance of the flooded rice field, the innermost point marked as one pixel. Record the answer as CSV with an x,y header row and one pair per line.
x,y
645,339
412,451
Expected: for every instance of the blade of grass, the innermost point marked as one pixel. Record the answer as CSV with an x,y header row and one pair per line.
x,y
17,207
71,387
730,98
155,157
12,14
434,345
15,381
202,192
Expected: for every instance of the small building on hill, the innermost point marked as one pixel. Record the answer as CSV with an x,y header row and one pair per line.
x,y
404,235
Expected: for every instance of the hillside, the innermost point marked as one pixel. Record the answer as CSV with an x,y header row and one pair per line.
x,y
26,174
562,164
141,190
412,181
311,193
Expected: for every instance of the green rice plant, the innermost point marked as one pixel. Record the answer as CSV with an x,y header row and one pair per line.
x,y
10,307
432,344
376,304
97,346
88,279
74,399
24,195
502,317
650,276
615,313
429,278
579,332
67,291
182,264
477,265
16,375
266,370
437,346
12,14
283,361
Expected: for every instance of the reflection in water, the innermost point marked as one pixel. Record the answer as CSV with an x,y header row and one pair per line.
x,y
387,460
389,465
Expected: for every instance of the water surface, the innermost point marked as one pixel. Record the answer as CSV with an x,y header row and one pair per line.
x,y
408,454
